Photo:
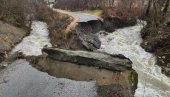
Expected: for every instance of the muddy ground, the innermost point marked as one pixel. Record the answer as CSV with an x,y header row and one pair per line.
x,y
157,41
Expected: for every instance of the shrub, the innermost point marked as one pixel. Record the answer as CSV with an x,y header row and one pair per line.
x,y
125,9
57,25
20,12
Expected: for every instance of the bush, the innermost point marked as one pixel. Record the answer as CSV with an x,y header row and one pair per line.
x,y
125,9
20,12
81,4
57,25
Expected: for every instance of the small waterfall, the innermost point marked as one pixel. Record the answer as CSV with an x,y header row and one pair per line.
x,y
126,41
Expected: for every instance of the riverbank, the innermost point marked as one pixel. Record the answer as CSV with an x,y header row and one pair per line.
x,y
59,24
126,41
113,74
10,36
24,74
83,29
157,41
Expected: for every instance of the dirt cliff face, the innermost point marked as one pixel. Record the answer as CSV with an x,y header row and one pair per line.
x,y
9,36
109,83
157,41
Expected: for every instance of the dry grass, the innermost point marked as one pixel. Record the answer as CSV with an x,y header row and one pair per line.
x,y
9,37
124,11
58,25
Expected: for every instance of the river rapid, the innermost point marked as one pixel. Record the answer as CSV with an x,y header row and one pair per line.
x,y
38,38
22,80
126,41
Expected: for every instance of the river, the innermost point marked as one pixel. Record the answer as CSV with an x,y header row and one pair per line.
x,y
126,41
38,38
20,78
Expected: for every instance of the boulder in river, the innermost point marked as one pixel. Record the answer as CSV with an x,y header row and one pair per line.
x,y
91,41
83,38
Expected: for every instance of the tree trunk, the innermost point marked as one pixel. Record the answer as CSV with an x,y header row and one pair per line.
x,y
166,7
148,8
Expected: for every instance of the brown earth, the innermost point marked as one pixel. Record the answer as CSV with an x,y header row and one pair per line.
x,y
9,37
157,41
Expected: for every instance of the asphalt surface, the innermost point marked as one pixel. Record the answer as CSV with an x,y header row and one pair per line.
x,y
82,17
22,80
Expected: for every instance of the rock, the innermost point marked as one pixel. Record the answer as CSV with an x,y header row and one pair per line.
x,y
103,33
115,90
166,70
86,33
91,41
108,83
101,60
84,38
168,24
2,56
11,58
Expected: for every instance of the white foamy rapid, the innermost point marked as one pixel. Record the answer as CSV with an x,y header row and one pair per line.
x,y
38,38
24,78
126,41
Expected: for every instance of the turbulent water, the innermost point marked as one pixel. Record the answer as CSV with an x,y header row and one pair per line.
x,y
126,41
38,38
22,80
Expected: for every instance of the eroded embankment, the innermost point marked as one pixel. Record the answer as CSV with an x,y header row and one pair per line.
x,y
9,37
126,41
113,74
83,36
157,41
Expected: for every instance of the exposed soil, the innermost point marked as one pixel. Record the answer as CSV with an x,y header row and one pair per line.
x,y
157,41
9,37
86,30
